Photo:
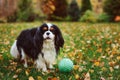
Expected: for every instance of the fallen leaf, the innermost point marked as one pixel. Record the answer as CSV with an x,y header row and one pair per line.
x,y
70,78
116,67
15,76
1,58
91,70
104,69
112,63
76,67
39,78
18,70
53,78
6,42
87,76
102,78
111,69
77,76
31,78
99,50
88,41
97,63
118,58
80,69
27,72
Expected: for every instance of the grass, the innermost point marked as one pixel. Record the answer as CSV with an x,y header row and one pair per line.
x,y
94,49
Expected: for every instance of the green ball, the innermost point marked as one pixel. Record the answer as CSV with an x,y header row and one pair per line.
x,y
65,65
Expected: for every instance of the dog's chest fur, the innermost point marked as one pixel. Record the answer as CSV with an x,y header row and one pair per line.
x,y
49,51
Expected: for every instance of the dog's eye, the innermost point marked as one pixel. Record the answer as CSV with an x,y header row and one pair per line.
x,y
51,29
45,28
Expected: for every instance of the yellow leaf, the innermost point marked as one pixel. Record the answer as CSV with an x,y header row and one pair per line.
x,y
27,72
77,76
31,78
91,70
97,63
104,69
76,67
39,78
118,58
111,69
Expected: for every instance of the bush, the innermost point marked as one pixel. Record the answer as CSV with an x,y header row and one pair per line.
x,y
74,11
103,17
86,5
89,16
25,11
112,8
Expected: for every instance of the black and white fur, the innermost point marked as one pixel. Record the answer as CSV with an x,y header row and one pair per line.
x,y
42,44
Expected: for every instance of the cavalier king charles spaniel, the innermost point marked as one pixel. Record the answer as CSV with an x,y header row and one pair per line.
x,y
42,44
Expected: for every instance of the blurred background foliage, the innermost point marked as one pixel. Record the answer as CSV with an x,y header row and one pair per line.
x,y
60,10
73,11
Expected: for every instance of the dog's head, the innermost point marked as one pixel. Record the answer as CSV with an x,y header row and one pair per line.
x,y
50,32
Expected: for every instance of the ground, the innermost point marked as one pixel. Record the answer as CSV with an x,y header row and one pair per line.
x,y
93,48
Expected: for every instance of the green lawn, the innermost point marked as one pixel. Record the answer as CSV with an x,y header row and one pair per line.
x,y
94,49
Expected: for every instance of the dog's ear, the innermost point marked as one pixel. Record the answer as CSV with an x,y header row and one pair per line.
x,y
38,38
59,41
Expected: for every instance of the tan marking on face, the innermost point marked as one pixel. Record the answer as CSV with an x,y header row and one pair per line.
x,y
44,28
51,28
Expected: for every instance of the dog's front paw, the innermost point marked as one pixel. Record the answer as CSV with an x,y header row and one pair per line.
x,y
50,66
44,69
25,65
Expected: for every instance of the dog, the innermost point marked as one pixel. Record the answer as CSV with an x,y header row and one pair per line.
x,y
41,44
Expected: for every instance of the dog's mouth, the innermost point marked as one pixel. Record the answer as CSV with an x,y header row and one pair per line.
x,y
47,38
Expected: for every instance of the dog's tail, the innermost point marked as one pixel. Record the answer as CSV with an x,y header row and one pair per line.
x,y
14,51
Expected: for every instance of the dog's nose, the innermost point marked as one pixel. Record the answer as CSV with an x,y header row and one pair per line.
x,y
47,33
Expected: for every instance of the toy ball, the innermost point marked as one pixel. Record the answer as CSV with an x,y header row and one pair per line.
x,y
65,65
